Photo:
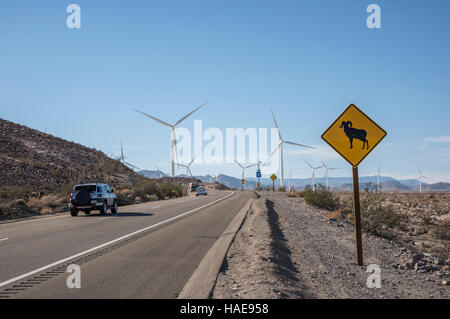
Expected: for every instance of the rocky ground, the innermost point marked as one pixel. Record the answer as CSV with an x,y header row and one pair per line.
x,y
426,224
286,249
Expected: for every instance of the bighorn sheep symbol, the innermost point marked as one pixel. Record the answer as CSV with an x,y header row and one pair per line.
x,y
354,133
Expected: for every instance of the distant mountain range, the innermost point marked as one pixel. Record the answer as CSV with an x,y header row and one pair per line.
x,y
337,183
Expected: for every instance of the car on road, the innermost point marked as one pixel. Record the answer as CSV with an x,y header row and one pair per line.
x,y
201,191
92,196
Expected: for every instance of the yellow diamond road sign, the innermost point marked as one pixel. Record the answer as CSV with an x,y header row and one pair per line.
x,y
353,135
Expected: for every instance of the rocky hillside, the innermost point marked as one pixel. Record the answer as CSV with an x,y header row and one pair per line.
x,y
35,161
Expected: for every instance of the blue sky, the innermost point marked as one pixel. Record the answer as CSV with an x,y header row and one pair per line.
x,y
308,60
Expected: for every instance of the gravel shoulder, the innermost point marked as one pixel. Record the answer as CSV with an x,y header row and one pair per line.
x,y
286,249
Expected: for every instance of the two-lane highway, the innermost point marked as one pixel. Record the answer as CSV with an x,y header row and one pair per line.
x,y
145,251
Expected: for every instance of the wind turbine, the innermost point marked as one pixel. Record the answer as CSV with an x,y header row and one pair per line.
x,y
173,149
280,147
243,170
378,178
122,158
326,171
159,171
290,186
313,174
419,178
188,167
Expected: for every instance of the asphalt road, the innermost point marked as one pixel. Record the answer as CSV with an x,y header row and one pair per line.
x,y
145,251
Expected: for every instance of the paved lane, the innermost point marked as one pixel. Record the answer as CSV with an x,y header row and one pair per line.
x,y
152,264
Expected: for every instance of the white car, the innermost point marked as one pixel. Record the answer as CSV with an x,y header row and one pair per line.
x,y
201,191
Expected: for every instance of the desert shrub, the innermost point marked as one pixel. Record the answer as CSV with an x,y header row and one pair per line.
x,y
37,164
145,189
379,219
221,187
174,193
46,204
441,231
124,198
12,193
55,172
295,194
281,189
320,198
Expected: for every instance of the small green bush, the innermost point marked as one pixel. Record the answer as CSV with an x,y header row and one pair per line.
x,y
320,198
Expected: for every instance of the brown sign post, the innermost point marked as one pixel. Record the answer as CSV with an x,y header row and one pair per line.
x,y
273,177
351,126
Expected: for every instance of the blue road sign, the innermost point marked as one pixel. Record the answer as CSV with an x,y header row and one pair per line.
x,y
258,173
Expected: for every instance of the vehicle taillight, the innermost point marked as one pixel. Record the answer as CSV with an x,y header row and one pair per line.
x,y
70,196
99,195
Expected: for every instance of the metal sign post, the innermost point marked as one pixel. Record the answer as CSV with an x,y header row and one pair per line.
x,y
354,135
357,217
258,175
273,178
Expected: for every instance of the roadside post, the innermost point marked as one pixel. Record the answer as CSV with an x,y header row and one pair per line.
x,y
354,135
273,177
258,176
243,183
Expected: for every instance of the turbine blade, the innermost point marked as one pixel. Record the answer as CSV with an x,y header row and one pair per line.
x,y
273,152
292,143
309,164
239,164
276,125
132,166
154,118
121,150
324,165
189,114
250,166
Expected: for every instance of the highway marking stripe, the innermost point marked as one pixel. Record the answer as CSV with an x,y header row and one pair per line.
x,y
3,239
156,207
33,272
65,214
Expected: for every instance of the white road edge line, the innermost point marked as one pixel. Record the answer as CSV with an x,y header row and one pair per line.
x,y
7,282
3,239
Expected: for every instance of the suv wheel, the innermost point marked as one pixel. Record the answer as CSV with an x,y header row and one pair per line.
x,y
115,208
74,212
104,209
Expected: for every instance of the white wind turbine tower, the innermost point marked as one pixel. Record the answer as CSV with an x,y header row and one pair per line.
x,y
243,170
378,179
419,178
326,171
159,171
188,167
173,150
313,174
280,147
122,158
290,186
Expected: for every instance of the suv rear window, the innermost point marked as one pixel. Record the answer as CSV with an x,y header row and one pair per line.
x,y
90,188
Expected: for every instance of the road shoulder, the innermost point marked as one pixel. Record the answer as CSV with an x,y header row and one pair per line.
x,y
201,284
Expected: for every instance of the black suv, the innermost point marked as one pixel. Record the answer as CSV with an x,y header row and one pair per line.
x,y
93,196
